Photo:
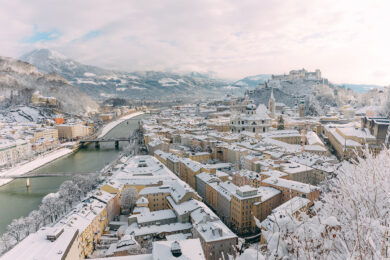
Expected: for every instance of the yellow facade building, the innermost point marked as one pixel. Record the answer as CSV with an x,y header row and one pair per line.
x,y
248,202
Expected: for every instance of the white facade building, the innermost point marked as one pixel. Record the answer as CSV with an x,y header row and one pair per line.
x,y
255,119
12,152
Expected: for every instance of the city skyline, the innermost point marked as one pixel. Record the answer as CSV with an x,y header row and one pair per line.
x,y
232,40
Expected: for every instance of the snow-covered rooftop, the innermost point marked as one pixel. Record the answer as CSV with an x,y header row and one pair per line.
x,y
190,249
289,184
37,246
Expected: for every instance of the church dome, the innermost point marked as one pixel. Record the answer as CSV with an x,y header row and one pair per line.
x,y
251,107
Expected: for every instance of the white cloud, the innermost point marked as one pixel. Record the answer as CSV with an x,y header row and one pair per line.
x,y
347,40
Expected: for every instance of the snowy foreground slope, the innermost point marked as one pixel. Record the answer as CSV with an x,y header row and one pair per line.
x,y
351,220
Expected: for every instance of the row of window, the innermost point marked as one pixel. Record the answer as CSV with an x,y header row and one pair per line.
x,y
246,122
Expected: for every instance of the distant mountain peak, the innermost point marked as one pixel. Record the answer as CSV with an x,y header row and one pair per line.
x,y
44,53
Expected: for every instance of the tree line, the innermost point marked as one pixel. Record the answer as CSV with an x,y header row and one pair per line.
x,y
52,208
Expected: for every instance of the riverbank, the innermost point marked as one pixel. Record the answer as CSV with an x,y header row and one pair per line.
x,y
107,128
34,164
17,201
54,155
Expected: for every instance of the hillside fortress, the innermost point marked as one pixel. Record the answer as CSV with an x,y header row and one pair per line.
x,y
293,89
299,74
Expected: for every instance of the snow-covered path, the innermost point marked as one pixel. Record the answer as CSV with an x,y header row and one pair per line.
x,y
38,162
107,128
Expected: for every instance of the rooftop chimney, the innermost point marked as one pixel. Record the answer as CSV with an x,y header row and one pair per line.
x,y
176,249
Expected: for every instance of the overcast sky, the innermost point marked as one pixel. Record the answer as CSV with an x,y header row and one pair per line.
x,y
348,40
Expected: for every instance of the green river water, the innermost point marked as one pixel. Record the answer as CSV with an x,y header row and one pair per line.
x,y
16,200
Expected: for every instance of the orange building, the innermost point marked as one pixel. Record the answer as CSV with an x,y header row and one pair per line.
x,y
59,120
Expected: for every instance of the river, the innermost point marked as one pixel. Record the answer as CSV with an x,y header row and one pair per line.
x,y
16,200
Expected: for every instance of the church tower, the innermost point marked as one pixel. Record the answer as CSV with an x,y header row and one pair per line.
x,y
302,108
271,104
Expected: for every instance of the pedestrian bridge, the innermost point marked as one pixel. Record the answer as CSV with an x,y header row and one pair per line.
x,y
97,141
46,174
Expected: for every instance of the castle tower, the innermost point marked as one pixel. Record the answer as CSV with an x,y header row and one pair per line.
x,y
246,99
272,104
302,108
318,74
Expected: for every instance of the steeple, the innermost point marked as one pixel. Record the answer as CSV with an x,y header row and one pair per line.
x,y
271,103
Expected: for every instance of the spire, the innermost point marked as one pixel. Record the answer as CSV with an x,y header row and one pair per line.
x,y
271,103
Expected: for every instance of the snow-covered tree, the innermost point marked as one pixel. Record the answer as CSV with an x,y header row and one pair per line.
x,y
85,182
69,192
128,198
82,182
5,242
351,221
17,229
35,220
53,206
48,206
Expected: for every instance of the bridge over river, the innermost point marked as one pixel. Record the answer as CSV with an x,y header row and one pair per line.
x,y
48,174
97,141
17,201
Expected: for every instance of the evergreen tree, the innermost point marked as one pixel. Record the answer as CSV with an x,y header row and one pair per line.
x,y
280,123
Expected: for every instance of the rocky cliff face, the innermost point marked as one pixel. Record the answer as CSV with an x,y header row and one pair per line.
x,y
19,80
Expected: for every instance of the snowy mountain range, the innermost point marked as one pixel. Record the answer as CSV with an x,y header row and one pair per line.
x,y
104,83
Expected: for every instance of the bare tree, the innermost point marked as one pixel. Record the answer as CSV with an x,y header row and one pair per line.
x,y
128,199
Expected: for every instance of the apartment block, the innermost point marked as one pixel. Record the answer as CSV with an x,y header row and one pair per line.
x,y
243,209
